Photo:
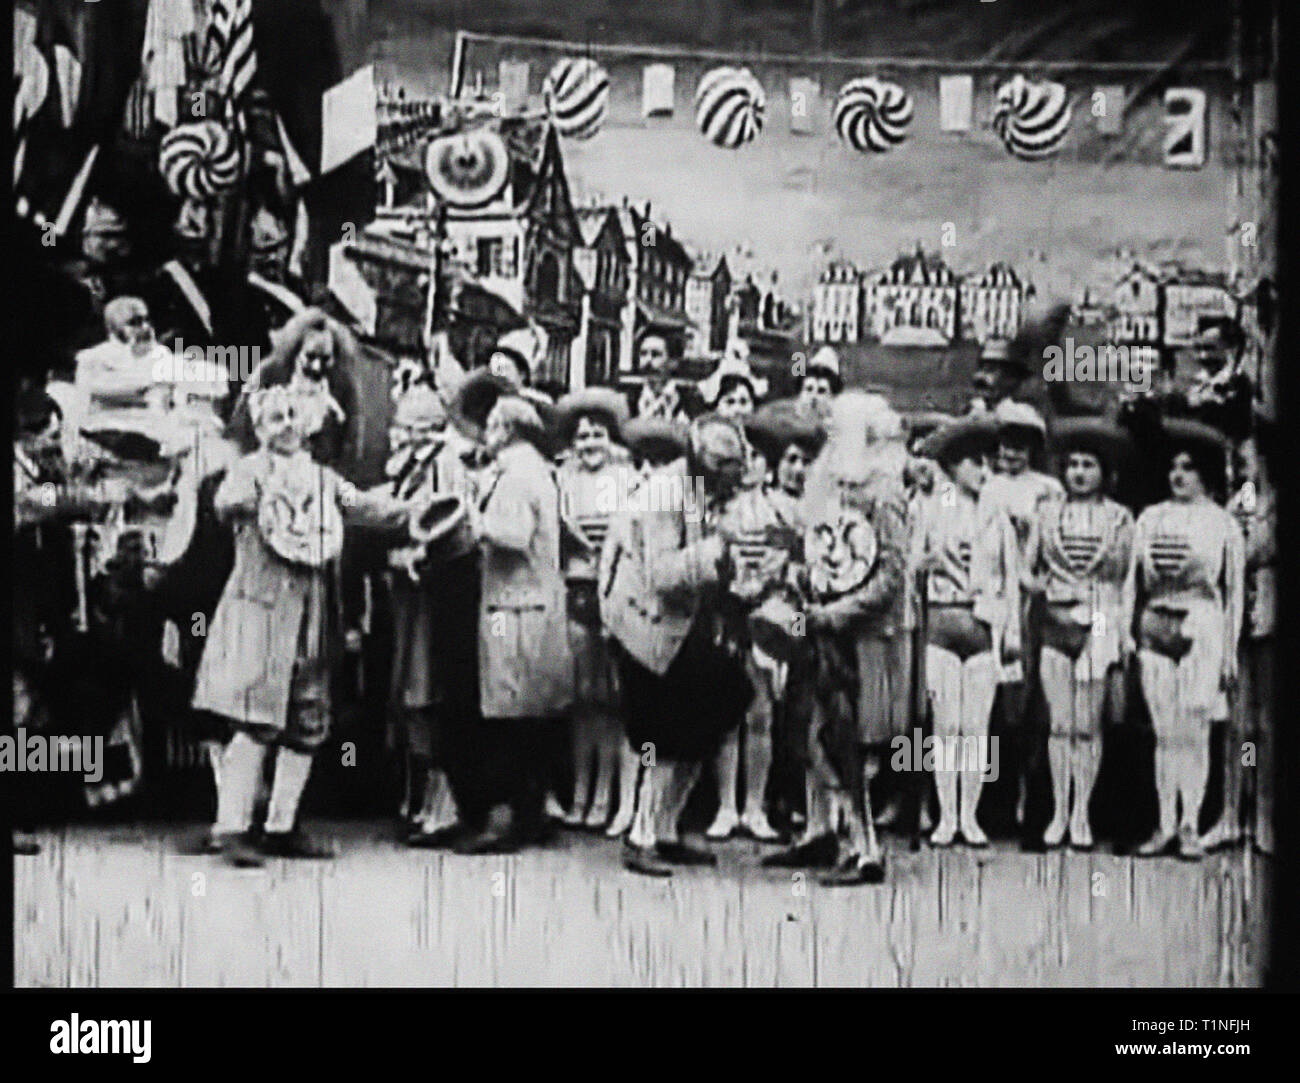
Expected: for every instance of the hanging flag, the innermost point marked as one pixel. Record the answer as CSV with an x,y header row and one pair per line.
x,y
657,90
1108,109
1184,144
348,120
956,102
230,46
512,83
1263,121
804,93
167,27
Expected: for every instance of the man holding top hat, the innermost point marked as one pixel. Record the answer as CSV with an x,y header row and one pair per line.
x,y
433,587
525,668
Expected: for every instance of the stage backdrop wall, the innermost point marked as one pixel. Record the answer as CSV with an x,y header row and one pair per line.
x,y
790,200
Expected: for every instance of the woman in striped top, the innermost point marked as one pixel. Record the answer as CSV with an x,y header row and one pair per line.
x,y
967,552
1078,557
593,483
1186,584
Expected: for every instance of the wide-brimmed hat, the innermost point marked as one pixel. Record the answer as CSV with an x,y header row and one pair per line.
x,y
128,444
1206,444
775,426
473,400
655,437
924,422
1183,432
973,433
1096,435
607,405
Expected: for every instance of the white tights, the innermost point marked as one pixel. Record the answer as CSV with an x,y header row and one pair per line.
x,y
962,693
240,776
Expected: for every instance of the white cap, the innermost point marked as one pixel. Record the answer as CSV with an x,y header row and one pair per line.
x,y
826,358
1019,414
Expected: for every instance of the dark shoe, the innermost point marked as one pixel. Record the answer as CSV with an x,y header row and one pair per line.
x,y
491,840
444,838
1156,845
854,870
644,860
678,853
295,844
816,853
535,832
238,850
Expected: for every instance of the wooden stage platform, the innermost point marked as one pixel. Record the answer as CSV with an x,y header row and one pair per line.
x,y
122,906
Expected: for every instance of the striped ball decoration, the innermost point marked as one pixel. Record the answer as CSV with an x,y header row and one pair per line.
x,y
872,114
729,107
1032,118
577,96
200,160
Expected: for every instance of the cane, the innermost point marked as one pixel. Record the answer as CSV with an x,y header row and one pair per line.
x,y
919,702
80,544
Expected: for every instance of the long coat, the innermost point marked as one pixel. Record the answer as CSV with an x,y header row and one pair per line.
x,y
246,673
525,668
656,563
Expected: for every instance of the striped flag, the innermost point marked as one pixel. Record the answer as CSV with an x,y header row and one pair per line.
x,y
230,46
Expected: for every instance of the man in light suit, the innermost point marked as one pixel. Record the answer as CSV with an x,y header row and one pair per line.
x,y
662,566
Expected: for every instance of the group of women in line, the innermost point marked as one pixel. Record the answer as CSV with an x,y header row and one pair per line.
x,y
882,577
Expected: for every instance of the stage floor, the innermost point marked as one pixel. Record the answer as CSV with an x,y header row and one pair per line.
x,y
122,906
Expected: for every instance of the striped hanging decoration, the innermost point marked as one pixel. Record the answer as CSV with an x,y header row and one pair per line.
x,y
872,115
577,95
1031,118
230,50
729,107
